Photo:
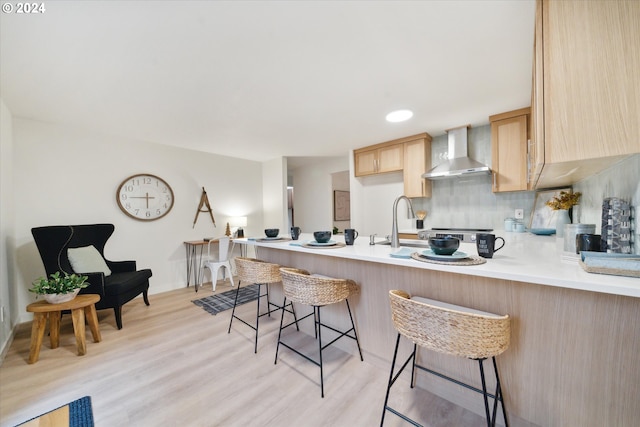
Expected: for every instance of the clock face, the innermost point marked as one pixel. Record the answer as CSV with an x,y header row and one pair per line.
x,y
145,197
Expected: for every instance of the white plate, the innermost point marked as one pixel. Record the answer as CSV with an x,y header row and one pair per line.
x,y
272,238
456,256
329,243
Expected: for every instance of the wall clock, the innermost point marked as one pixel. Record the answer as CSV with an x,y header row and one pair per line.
x,y
145,197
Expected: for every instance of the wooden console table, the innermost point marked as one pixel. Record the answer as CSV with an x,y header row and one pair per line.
x,y
194,250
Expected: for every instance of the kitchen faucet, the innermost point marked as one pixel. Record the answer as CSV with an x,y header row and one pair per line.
x,y
395,241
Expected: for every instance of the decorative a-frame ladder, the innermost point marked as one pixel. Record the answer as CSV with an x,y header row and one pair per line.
x,y
204,201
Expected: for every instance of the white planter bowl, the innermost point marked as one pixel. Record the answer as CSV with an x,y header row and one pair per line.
x,y
60,298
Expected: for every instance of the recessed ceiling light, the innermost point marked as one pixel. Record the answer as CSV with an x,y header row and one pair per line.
x,y
399,116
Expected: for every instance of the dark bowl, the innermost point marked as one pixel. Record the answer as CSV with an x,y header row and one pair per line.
x,y
272,232
444,245
322,236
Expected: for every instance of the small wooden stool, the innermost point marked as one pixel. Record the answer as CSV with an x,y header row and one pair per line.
x,y
80,306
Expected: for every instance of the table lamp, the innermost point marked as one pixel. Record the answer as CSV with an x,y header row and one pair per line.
x,y
239,222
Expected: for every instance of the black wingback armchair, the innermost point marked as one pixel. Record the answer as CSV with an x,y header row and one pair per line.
x,y
121,286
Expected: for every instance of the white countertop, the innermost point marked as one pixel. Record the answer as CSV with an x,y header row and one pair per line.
x,y
524,258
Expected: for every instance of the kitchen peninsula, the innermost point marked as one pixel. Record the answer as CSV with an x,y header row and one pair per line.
x,y
573,358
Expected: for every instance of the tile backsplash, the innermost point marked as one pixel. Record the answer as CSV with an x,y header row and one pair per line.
x,y
621,180
469,202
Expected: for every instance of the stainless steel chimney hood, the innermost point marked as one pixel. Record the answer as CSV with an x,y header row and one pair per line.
x,y
459,162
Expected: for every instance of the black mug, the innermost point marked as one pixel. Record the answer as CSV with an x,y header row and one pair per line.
x,y
486,244
350,236
587,242
295,232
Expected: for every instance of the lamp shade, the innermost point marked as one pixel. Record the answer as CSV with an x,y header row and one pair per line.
x,y
238,221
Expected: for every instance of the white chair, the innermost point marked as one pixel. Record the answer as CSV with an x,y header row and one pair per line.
x,y
214,263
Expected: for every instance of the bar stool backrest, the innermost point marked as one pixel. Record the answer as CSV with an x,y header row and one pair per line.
x,y
450,329
251,270
304,288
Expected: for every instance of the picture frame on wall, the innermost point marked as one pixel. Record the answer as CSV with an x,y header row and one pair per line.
x,y
341,205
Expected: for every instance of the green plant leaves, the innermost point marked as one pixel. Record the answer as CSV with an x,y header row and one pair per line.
x,y
57,284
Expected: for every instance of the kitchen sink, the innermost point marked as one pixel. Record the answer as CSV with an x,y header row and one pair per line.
x,y
410,243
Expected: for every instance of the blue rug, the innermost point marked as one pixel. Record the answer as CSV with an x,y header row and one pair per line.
x,y
214,304
80,414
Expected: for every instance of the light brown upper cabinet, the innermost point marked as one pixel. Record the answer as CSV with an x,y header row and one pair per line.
x,y
586,88
411,155
417,160
380,158
509,150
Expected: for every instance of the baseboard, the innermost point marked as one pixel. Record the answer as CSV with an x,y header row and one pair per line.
x,y
7,344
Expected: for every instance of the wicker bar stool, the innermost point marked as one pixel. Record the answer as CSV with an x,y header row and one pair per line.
x,y
317,291
261,273
448,329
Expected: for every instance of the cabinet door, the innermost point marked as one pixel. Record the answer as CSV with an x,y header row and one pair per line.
x,y
536,146
390,158
591,83
365,163
509,154
417,159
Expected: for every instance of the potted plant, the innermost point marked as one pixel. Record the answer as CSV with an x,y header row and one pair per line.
x,y
562,203
57,289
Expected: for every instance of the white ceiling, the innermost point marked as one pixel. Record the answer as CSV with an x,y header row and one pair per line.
x,y
263,79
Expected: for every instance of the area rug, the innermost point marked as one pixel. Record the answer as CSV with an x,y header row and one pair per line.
x,y
75,414
214,304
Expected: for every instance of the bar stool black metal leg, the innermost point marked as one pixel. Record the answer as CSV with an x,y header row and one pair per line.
x,y
268,302
255,348
293,311
235,304
392,380
499,395
413,365
283,307
317,309
280,332
484,393
393,365
353,326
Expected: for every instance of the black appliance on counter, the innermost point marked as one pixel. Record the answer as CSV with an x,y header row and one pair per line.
x,y
466,235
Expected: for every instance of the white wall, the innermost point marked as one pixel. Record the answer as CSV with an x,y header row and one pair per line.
x,y
8,298
313,194
64,175
375,195
274,200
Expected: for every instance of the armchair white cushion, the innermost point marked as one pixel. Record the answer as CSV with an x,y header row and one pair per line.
x,y
87,259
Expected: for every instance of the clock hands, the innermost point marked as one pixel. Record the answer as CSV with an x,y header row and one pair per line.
x,y
147,197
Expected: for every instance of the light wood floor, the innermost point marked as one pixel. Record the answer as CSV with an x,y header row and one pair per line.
x,y
173,364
